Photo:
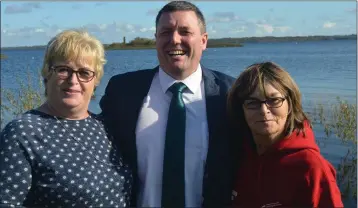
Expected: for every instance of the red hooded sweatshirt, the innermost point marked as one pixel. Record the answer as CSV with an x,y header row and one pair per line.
x,y
292,173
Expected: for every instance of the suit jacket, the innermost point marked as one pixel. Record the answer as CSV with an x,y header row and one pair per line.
x,y
121,105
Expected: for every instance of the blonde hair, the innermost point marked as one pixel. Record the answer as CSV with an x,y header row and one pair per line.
x,y
74,45
257,75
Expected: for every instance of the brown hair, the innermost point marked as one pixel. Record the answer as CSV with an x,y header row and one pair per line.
x,y
257,75
183,6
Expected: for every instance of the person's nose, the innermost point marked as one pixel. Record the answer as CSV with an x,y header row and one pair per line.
x,y
264,109
175,38
73,79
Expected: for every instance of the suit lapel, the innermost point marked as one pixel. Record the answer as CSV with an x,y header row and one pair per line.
x,y
140,86
212,94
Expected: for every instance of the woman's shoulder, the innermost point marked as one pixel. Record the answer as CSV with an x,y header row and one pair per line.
x,y
316,164
26,118
29,120
98,122
96,116
98,119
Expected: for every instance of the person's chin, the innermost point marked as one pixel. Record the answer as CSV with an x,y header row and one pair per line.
x,y
70,102
175,67
264,129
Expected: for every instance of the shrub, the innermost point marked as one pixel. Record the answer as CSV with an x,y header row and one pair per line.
x,y
339,122
28,96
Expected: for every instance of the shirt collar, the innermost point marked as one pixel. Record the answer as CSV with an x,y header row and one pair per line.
x,y
192,82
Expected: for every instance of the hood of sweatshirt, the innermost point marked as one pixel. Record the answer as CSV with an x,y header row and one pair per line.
x,y
290,172
296,141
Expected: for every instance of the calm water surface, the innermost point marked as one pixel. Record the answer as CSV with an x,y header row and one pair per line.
x,y
322,69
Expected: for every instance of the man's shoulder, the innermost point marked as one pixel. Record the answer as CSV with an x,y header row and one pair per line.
x,y
132,75
221,77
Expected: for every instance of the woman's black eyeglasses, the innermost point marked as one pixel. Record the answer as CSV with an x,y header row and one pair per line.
x,y
270,103
64,72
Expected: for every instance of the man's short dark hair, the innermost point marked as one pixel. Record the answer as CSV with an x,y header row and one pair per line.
x,y
182,6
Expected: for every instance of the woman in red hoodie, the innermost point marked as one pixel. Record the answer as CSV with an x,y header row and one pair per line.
x,y
282,165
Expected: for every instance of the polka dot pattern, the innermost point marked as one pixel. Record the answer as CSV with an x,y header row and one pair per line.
x,y
49,162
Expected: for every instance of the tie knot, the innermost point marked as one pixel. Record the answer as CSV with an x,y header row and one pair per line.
x,y
177,87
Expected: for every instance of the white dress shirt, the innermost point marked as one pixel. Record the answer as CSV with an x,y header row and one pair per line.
x,y
150,139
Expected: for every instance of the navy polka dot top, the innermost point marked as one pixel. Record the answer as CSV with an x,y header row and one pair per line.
x,y
52,162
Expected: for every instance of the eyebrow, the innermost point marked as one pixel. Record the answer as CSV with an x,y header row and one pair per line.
x,y
275,94
184,27
79,68
166,27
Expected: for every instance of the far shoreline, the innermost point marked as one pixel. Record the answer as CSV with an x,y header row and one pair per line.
x,y
145,43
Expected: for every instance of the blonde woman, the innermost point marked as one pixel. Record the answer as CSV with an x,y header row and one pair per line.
x,y
60,155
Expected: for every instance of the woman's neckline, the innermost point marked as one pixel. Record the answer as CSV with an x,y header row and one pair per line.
x,y
39,112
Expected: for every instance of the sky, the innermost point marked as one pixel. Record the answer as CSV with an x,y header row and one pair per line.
x,y
35,23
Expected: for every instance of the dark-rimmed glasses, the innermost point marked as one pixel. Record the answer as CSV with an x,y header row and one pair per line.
x,y
275,102
82,74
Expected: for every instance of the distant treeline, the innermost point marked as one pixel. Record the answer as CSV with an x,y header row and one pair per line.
x,y
150,43
285,39
142,43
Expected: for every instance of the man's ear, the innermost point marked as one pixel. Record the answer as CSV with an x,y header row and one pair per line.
x,y
204,40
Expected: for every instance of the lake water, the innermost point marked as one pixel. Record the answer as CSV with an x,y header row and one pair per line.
x,y
322,69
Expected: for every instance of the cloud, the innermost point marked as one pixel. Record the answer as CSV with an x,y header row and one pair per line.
x,y
239,29
76,6
39,30
22,32
262,29
152,12
28,36
351,10
347,26
266,28
282,28
100,3
211,29
95,28
144,29
43,23
332,18
219,17
106,33
23,8
251,26
329,24
115,27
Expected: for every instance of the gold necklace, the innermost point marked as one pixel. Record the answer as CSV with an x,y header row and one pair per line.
x,y
91,153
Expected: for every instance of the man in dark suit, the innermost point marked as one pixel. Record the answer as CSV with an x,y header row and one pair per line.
x,y
170,122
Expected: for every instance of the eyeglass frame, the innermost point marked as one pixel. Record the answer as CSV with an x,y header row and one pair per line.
x,y
73,71
282,99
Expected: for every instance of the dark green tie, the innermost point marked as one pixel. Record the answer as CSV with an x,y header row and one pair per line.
x,y
173,184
